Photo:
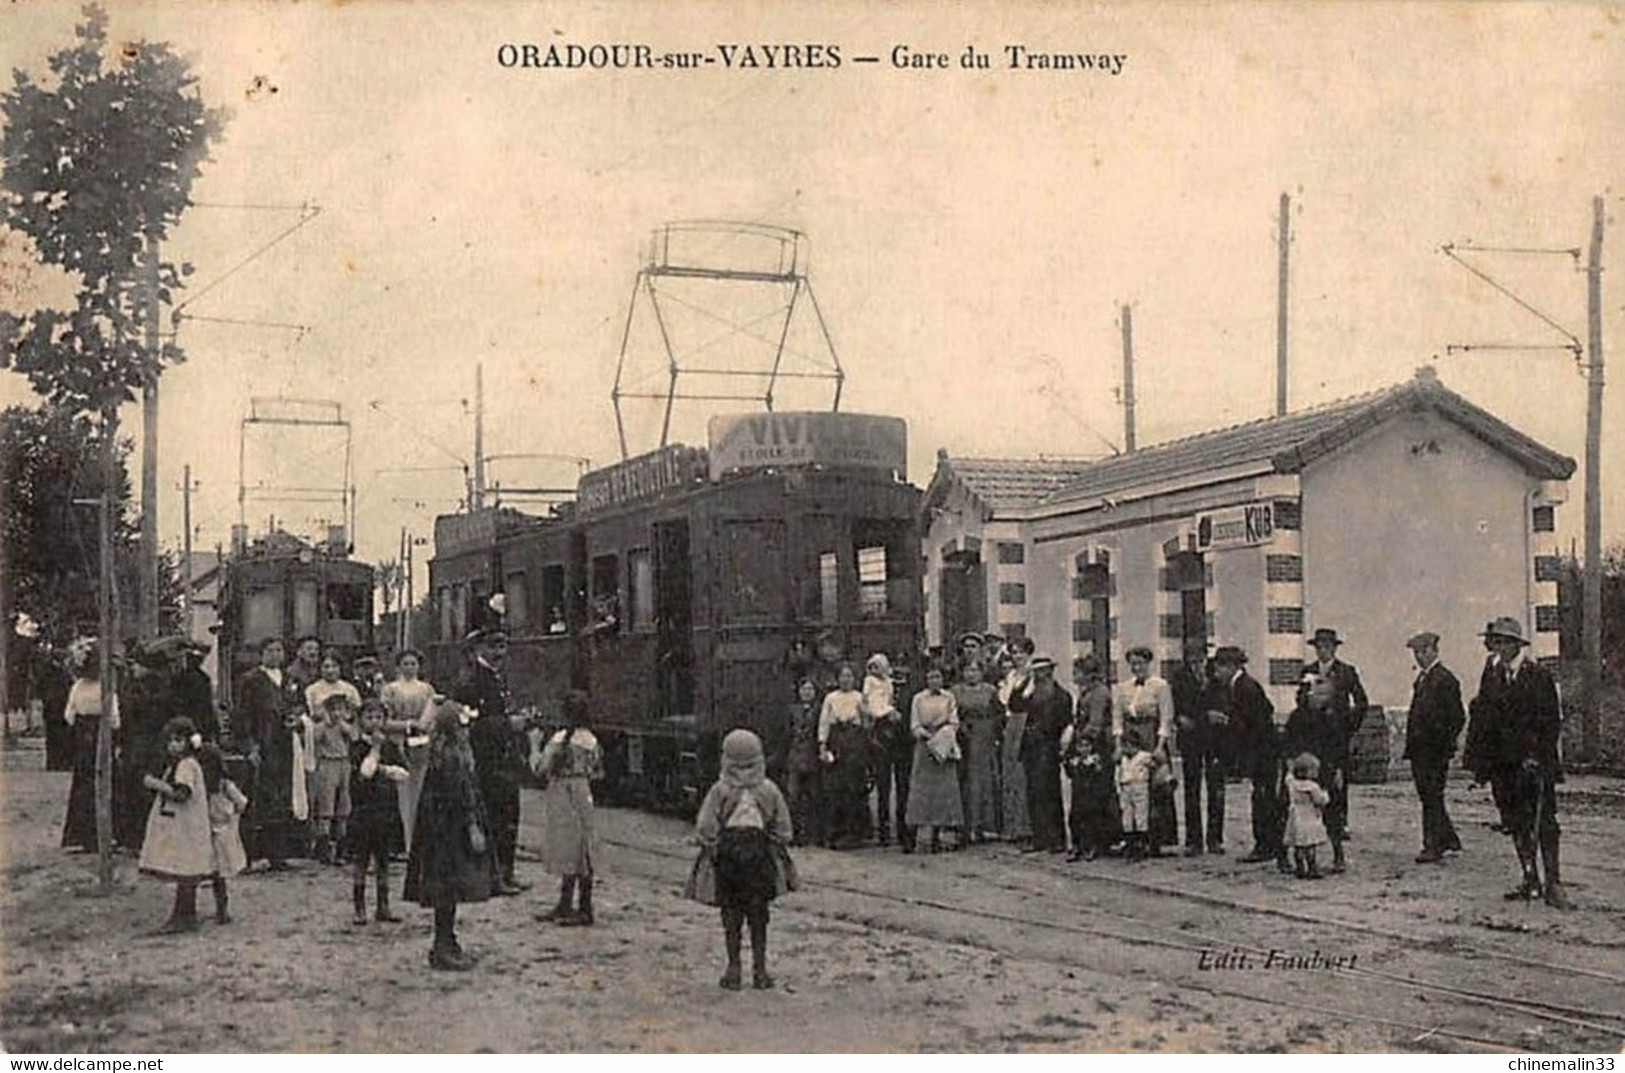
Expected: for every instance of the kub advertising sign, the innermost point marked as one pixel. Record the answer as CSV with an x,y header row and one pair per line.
x,y
1235,527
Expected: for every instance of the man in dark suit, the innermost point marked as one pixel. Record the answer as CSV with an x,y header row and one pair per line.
x,y
1255,746
1203,741
1435,721
1049,710
498,758
1348,708
1512,744
266,718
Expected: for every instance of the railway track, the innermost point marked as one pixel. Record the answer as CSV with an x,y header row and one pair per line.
x,y
1129,947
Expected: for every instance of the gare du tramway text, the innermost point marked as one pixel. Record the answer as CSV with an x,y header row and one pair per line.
x,y
814,56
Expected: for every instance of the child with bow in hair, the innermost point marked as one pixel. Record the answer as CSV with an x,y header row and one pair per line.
x,y
178,846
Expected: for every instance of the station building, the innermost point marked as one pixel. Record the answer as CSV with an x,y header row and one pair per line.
x,y
1405,509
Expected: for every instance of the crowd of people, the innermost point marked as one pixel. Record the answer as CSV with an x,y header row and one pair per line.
x,y
337,764
984,747
356,771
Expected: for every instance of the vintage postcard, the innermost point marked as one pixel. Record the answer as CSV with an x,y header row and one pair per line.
x,y
753,527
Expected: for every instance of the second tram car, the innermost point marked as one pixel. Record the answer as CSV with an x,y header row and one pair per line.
x,y
283,586
688,589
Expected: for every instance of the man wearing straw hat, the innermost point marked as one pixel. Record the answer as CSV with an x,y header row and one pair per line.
x,y
1512,745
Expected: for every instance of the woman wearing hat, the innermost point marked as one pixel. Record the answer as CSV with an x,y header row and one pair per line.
x,y
1017,682
83,714
1143,710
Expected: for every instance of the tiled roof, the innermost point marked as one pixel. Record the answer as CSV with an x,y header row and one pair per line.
x,y
1006,483
1290,442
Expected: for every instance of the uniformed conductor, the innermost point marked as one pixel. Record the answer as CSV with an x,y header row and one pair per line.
x,y
1512,745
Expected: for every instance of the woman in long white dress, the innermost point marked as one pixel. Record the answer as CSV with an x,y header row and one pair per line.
x,y
407,699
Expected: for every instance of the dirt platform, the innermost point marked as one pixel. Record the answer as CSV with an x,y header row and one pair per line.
x,y
982,950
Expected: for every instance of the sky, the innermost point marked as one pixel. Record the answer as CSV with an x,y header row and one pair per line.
x,y
970,235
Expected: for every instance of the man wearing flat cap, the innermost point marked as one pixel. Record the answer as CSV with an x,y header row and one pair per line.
x,y
1512,745
1431,729
1049,710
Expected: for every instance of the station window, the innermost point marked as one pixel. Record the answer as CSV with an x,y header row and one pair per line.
x,y
448,630
553,599
829,579
517,597
641,584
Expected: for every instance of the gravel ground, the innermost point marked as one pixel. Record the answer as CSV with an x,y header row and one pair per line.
x,y
986,950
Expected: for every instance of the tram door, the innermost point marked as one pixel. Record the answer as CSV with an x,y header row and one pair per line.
x,y
674,618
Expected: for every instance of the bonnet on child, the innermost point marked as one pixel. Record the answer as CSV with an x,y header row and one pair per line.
x,y
743,763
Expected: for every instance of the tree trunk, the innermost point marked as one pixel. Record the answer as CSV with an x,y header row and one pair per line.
x,y
104,733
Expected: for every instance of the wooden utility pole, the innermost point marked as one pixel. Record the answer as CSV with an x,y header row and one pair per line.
x,y
1128,379
478,496
1284,239
147,589
186,552
1591,610
109,630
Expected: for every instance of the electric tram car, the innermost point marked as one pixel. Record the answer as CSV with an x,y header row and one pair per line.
x,y
283,586
688,589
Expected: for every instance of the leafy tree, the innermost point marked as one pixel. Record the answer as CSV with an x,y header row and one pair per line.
x,y
99,163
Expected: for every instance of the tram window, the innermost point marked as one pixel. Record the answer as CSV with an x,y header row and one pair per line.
x,y
829,580
606,593
641,581
518,600
882,552
262,615
553,599
872,581
459,610
347,602
304,608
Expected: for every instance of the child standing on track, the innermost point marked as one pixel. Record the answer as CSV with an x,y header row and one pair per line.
x,y
226,805
567,764
1305,829
376,766
745,824
177,846
450,860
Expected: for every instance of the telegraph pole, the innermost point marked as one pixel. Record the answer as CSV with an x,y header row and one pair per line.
x,y
1285,241
147,591
1591,611
186,552
1128,379
478,496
